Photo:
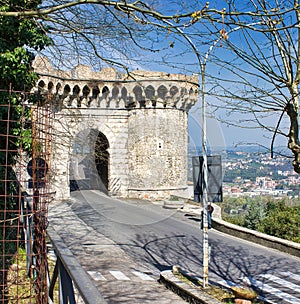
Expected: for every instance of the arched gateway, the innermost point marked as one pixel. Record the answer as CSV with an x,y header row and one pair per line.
x,y
89,162
126,136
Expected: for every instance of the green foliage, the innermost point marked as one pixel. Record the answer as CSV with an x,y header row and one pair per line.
x,y
254,215
15,289
264,214
281,221
19,38
233,204
235,219
15,69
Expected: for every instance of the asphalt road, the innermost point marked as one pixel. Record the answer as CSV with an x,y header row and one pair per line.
x,y
159,238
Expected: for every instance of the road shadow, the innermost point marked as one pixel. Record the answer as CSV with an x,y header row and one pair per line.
x,y
235,265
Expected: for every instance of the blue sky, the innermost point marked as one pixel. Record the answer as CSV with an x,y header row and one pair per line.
x,y
221,134
180,58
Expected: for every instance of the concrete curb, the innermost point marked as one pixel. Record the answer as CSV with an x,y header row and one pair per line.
x,y
184,290
173,204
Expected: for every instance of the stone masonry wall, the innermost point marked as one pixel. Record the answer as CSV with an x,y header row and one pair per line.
x,y
114,127
157,147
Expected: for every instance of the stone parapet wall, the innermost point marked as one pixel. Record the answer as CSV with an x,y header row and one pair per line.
x,y
263,239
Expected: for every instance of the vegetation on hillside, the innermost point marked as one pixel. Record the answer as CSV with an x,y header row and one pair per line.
x,y
278,218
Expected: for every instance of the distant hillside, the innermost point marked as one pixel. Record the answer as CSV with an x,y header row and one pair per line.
x,y
253,149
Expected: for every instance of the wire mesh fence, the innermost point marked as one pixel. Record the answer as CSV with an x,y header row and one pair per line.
x,y
25,163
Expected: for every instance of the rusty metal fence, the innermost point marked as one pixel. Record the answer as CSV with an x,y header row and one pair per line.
x,y
25,173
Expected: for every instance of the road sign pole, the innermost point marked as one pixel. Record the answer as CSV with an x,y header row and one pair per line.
x,y
204,184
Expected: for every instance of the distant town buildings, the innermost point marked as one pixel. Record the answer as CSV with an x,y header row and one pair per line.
x,y
249,173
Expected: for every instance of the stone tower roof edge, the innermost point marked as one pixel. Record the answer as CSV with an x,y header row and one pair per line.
x,y
42,66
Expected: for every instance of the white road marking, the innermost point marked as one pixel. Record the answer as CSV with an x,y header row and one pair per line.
x,y
96,275
291,275
226,283
275,291
267,288
119,275
143,276
281,282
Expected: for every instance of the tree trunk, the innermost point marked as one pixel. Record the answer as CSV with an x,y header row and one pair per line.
x,y
294,145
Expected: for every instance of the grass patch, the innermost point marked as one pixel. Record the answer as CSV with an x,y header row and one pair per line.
x,y
221,294
174,198
20,287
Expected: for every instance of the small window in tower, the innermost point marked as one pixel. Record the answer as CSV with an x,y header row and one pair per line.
x,y
160,145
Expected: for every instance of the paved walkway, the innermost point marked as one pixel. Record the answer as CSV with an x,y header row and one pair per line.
x,y
118,278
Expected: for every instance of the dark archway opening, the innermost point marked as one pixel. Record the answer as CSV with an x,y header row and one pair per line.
x,y
102,160
89,167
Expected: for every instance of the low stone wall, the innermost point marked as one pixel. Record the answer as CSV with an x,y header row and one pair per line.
x,y
186,291
257,237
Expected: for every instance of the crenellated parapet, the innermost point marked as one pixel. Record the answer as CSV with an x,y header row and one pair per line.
x,y
109,89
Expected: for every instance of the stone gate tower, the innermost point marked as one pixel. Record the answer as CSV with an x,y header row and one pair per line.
x,y
124,135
